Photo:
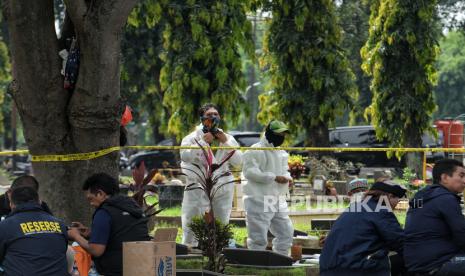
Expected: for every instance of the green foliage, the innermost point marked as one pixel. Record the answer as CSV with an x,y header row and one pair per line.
x,y
408,175
311,79
203,232
354,19
5,79
410,181
202,63
449,94
400,55
140,85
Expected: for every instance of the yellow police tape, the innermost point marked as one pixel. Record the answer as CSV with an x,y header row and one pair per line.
x,y
99,153
15,152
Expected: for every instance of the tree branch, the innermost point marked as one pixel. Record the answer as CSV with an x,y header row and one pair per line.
x,y
77,10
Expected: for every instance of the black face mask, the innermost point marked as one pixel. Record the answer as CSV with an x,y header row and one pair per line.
x,y
271,137
210,124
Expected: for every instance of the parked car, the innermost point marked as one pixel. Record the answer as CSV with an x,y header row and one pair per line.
x,y
22,162
123,161
246,138
365,137
155,158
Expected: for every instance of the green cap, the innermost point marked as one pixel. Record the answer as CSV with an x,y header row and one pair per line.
x,y
278,126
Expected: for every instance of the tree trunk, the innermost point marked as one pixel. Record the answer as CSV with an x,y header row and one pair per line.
x,y
318,136
414,159
157,136
55,120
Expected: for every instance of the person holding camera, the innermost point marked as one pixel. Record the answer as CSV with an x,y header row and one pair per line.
x,y
195,202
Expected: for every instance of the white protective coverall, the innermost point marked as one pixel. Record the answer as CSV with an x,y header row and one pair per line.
x,y
195,202
264,198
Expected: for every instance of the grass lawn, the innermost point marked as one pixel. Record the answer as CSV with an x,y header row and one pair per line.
x,y
239,233
171,212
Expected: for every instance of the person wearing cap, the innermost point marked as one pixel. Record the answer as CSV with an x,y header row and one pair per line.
x,y
435,225
195,202
356,189
267,175
363,235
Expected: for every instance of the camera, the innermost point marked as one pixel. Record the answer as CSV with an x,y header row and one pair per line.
x,y
210,124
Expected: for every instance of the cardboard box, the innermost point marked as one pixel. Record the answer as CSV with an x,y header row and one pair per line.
x,y
151,258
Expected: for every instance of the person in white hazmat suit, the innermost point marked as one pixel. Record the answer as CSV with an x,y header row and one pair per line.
x,y
195,202
267,184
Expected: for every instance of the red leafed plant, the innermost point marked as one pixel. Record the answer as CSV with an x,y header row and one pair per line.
x,y
211,234
141,186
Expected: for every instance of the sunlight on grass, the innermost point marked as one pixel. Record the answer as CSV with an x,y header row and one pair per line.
x,y
171,212
239,234
151,199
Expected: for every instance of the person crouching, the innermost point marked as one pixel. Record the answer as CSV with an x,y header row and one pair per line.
x,y
361,238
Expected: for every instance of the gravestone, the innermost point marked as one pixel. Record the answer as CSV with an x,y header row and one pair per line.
x,y
170,195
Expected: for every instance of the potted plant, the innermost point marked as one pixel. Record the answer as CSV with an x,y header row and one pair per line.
x,y
296,165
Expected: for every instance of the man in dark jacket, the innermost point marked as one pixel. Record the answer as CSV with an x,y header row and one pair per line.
x,y
435,225
21,181
362,236
32,242
117,219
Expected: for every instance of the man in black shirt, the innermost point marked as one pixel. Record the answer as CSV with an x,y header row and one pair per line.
x,y
116,219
